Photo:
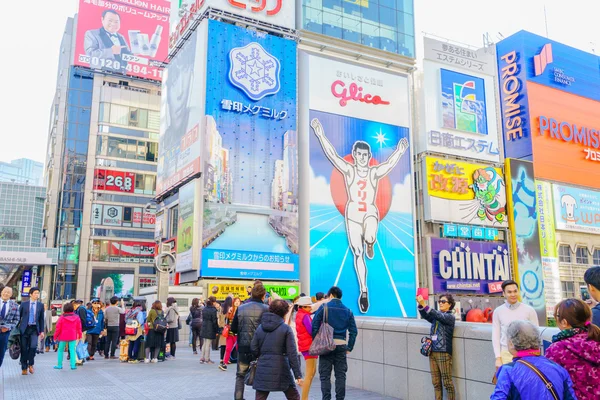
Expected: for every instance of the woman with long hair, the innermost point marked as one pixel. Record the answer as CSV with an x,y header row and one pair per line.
x,y
172,316
210,326
223,326
134,320
196,322
231,337
92,336
577,347
304,335
155,338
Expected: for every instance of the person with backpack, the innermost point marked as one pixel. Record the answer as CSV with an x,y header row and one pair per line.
x,y
112,316
87,322
68,332
93,334
172,316
134,323
157,327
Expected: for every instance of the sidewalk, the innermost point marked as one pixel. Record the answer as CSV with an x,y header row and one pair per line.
x,y
182,379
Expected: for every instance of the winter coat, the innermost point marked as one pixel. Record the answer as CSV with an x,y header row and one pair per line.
x,y
100,326
596,315
172,317
341,320
222,322
82,313
581,358
68,328
196,313
517,381
246,321
209,323
304,330
442,326
275,347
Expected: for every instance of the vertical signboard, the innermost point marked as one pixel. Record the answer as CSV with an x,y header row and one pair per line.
x,y
185,227
361,214
521,198
123,37
548,250
250,219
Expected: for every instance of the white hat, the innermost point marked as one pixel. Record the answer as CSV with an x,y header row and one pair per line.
x,y
304,301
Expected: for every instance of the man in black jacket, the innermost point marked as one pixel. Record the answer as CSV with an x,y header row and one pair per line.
x,y
244,325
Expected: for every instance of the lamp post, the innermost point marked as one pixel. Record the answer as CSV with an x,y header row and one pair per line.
x,y
165,264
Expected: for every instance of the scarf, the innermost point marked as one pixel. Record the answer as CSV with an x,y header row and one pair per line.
x,y
567,333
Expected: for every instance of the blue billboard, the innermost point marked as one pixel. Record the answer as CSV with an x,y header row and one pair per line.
x,y
576,209
250,219
463,102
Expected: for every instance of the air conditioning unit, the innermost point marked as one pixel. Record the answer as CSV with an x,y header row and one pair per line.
x,y
165,248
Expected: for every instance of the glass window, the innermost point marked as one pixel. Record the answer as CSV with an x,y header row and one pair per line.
x,y
119,114
150,186
151,151
332,24
313,20
141,151
134,117
104,112
154,120
370,35
100,142
131,148
117,147
596,259
143,119
406,23
174,216
564,253
147,270
568,289
139,183
581,255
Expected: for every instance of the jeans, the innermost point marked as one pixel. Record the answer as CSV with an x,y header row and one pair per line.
x,y
61,352
206,347
243,364
29,341
112,340
337,361
134,347
3,344
196,336
92,341
291,394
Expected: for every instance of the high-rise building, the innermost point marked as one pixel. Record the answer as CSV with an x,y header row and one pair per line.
x,y
23,170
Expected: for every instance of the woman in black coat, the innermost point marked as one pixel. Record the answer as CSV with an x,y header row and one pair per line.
x,y
275,347
209,329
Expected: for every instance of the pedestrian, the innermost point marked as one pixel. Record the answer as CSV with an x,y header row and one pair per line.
x,y
196,323
441,333
135,319
342,321
274,346
93,334
68,332
31,315
304,334
47,327
244,325
530,375
9,318
511,310
224,327
112,320
172,315
209,329
102,340
51,322
592,279
155,339
577,347
231,339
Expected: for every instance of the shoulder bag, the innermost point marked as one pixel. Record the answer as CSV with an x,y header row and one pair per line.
x,y
249,378
539,373
323,343
427,342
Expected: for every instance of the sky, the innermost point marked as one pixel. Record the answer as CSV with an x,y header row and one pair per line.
x,y
30,63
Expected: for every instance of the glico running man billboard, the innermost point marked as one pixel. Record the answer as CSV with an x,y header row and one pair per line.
x,y
550,97
250,219
123,37
361,214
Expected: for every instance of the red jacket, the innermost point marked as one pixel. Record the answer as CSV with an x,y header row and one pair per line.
x,y
304,330
68,328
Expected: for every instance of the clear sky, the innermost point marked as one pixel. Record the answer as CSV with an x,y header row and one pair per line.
x,y
31,39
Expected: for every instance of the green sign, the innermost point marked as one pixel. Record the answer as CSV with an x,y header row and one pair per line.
x,y
287,292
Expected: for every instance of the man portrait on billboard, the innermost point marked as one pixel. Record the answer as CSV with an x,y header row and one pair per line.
x,y
105,46
361,214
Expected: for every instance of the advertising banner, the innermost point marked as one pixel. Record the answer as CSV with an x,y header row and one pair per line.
x,y
26,282
12,233
523,223
110,215
464,193
114,181
361,214
251,174
462,266
185,227
181,113
123,36
132,252
122,279
221,291
576,210
546,225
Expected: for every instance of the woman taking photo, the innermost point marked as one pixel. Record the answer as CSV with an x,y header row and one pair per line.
x,y
172,316
441,333
231,337
136,316
196,322
209,329
275,348
304,332
577,347
155,339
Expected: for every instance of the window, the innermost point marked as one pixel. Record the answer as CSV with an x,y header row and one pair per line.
x,y
596,259
128,116
581,255
132,149
564,253
119,115
174,216
568,289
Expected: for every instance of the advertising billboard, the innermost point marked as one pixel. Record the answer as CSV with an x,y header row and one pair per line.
x,y
523,223
114,181
131,217
250,224
12,233
222,290
185,227
463,266
132,252
361,214
122,279
576,209
464,193
181,113
123,37
457,102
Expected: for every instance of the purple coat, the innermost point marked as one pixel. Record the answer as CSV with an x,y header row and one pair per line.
x,y
581,358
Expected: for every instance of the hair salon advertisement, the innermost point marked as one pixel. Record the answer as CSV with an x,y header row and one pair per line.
x,y
123,36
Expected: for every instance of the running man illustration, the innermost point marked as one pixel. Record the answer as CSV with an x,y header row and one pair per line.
x,y
362,214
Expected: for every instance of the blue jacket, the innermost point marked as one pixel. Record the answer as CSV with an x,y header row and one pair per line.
x,y
24,316
341,320
518,382
442,328
99,324
596,315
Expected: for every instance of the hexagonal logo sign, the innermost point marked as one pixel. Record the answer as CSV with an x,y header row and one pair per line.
x,y
253,70
112,212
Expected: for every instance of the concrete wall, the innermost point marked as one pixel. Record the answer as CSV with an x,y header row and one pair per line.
x,y
386,359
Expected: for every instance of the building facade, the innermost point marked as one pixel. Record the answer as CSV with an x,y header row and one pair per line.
x,y
22,170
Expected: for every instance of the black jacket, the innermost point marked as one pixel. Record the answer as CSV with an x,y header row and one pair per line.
x,y
246,321
82,313
275,347
209,323
442,326
196,315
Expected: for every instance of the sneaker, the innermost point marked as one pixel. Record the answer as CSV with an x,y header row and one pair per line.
x,y
210,362
202,361
223,367
147,361
57,367
73,369
363,302
133,361
154,360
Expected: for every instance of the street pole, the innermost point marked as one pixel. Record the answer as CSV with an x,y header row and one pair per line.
x,y
165,263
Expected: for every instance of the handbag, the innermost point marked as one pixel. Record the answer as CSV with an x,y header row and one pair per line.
x,y
82,351
131,328
14,350
249,378
427,343
323,343
546,381
225,332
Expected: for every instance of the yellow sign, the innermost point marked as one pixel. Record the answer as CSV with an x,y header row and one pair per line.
x,y
221,291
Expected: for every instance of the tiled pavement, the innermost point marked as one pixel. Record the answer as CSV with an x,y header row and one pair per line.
x,y
182,379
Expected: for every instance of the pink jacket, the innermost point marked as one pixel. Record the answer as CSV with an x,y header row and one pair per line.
x,y
68,328
581,358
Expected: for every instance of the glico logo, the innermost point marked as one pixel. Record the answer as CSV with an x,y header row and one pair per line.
x,y
542,59
354,93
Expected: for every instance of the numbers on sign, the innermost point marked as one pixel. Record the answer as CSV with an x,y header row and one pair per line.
x,y
120,182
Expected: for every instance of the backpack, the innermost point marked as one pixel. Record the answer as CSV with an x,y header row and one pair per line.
x,y
131,323
90,320
160,324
